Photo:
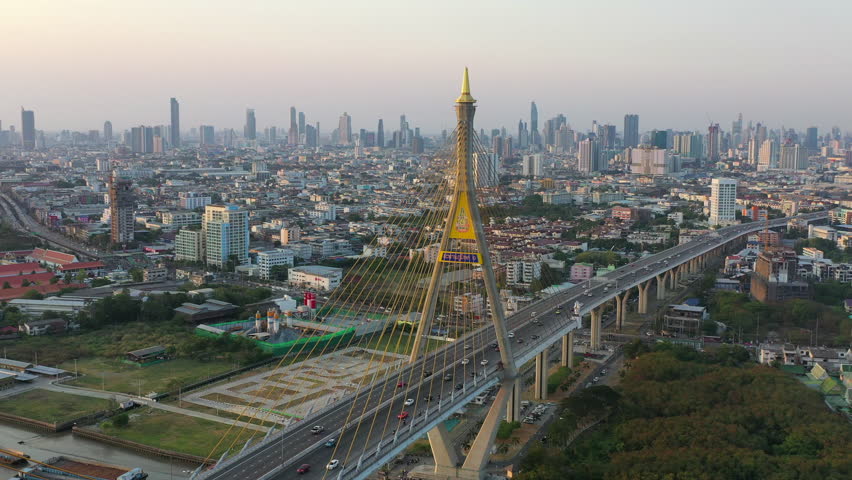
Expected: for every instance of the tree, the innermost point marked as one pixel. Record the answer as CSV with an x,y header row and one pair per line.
x,y
33,295
121,420
6,285
136,274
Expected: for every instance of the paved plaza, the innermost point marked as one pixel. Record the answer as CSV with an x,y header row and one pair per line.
x,y
291,393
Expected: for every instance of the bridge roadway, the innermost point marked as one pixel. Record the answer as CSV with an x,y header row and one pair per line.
x,y
537,325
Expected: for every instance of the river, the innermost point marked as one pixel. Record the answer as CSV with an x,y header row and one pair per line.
x,y
42,445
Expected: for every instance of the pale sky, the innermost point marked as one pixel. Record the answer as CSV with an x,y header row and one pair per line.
x,y
677,63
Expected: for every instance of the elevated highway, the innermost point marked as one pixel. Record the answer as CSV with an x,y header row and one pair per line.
x,y
371,435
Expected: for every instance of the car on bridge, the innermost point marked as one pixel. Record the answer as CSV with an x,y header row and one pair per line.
x,y
465,361
330,443
484,362
304,468
409,402
332,464
401,385
402,416
317,429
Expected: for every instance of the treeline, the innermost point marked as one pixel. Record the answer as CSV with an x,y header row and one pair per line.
x,y
681,414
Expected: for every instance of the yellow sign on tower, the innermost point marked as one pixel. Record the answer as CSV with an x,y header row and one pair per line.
x,y
462,223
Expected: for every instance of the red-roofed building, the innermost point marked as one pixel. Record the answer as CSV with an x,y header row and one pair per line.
x,y
17,281
93,269
51,258
15,269
7,294
16,256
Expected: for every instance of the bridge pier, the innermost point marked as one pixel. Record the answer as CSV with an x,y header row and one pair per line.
x,y
661,286
643,296
446,458
625,307
480,450
595,338
568,350
540,388
513,406
619,311
671,277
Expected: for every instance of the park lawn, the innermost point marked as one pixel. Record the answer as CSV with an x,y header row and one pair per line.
x,y
116,376
180,433
54,407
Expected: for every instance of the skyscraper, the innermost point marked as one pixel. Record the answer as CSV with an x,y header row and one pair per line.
x,y
659,139
767,157
631,130
793,157
535,137
812,139
713,142
737,131
175,126
380,134
301,124
207,135
293,132
107,132
532,165
28,129
226,231
723,201
344,129
589,156
121,206
250,129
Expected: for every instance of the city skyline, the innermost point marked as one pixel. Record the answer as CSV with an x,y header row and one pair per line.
x,y
702,73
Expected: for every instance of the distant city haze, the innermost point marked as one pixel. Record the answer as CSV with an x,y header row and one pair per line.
x,y
678,64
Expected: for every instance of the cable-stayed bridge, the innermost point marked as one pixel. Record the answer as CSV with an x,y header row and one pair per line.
x,y
451,288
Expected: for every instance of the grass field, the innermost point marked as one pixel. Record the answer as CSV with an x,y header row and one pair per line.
x,y
49,406
180,433
115,376
398,342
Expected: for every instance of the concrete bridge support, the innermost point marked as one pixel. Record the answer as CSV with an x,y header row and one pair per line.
x,y
513,406
480,450
619,311
643,296
446,458
540,388
625,307
661,286
595,335
672,274
568,350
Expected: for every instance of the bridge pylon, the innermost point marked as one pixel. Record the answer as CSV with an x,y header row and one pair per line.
x,y
463,240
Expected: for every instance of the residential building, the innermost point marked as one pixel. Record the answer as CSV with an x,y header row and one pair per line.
x,y
631,130
775,277
291,235
723,201
684,320
581,272
226,234
193,200
181,219
522,272
121,209
532,165
652,161
189,245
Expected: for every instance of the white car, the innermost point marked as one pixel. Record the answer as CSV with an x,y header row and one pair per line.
x,y
409,402
484,362
465,361
332,464
511,334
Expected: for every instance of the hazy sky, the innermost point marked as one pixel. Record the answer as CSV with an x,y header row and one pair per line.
x,y
674,62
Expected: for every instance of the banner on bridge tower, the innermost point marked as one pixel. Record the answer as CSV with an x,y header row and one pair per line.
x,y
462,228
459,257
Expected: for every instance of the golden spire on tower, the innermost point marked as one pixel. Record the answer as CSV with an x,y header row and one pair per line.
x,y
465,94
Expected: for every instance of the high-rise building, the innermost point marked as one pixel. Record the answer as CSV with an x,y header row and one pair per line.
x,y
380,134
793,157
301,124
659,139
108,132
207,135
226,234
767,158
714,142
723,201
631,130
737,131
652,161
534,134
812,139
608,136
121,207
344,129
28,129
175,126
293,132
189,246
250,129
532,165
589,156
